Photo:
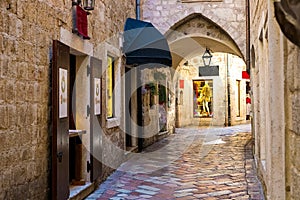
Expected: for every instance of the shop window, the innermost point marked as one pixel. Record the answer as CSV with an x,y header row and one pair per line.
x,y
110,87
152,92
203,98
162,96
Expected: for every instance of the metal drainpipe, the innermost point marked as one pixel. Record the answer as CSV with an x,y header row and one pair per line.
x,y
137,10
228,93
248,36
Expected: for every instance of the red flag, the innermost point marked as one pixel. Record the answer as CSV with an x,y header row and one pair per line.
x,y
81,22
181,84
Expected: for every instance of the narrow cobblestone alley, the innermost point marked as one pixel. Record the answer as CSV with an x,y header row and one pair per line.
x,y
210,163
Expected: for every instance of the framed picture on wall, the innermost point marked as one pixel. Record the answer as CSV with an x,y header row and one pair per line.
x,y
63,93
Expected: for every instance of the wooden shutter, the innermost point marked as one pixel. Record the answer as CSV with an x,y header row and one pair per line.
x,y
96,131
60,121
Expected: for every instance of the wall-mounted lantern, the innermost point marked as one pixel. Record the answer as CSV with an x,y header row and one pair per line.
x,y
207,69
206,57
79,17
88,4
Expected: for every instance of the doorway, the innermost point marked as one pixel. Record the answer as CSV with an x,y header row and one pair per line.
x,y
128,139
76,137
76,177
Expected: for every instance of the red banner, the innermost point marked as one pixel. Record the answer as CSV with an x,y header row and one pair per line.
x,y
181,84
245,75
81,22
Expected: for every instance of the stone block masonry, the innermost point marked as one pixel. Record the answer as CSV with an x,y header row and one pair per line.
x,y
27,29
218,11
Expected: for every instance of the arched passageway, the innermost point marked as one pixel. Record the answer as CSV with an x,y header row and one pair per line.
x,y
190,37
225,102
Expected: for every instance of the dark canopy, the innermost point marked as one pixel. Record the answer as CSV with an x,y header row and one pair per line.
x,y
144,44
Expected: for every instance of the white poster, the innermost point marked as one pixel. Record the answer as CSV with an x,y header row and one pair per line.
x,y
97,95
63,93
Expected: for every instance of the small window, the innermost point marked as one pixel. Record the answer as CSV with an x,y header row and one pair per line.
x,y
110,87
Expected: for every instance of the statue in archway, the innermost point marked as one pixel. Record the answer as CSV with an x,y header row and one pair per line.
x,y
206,97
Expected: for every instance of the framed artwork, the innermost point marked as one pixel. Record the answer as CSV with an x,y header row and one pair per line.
x,y
97,89
63,93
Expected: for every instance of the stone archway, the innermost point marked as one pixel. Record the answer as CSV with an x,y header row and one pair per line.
x,y
190,36
188,39
228,15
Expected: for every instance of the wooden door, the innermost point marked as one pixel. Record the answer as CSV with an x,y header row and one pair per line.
x,y
128,87
60,121
95,112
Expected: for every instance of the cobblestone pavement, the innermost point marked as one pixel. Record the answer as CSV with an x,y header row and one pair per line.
x,y
194,163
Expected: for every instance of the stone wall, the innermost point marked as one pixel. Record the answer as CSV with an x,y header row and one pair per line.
x,y
275,86
293,121
154,112
164,14
230,71
27,29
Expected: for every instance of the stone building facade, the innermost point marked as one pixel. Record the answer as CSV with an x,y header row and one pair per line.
x,y
226,86
158,104
168,15
27,32
191,27
275,86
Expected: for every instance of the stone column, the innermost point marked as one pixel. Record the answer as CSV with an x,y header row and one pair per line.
x,y
276,135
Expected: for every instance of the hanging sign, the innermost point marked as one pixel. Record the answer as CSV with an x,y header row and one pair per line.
x,y
181,84
63,94
209,71
97,90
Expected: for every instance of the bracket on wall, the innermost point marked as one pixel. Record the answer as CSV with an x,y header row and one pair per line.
x,y
88,110
287,13
88,166
88,70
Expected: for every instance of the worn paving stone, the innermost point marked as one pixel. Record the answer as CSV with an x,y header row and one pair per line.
x,y
147,192
146,187
219,193
223,170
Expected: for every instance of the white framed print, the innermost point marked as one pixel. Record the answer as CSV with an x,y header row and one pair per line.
x,y
63,93
97,91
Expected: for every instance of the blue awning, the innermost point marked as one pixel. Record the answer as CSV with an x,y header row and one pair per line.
x,y
144,44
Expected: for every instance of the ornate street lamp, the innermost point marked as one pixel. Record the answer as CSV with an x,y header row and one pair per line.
x,y
88,4
206,57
